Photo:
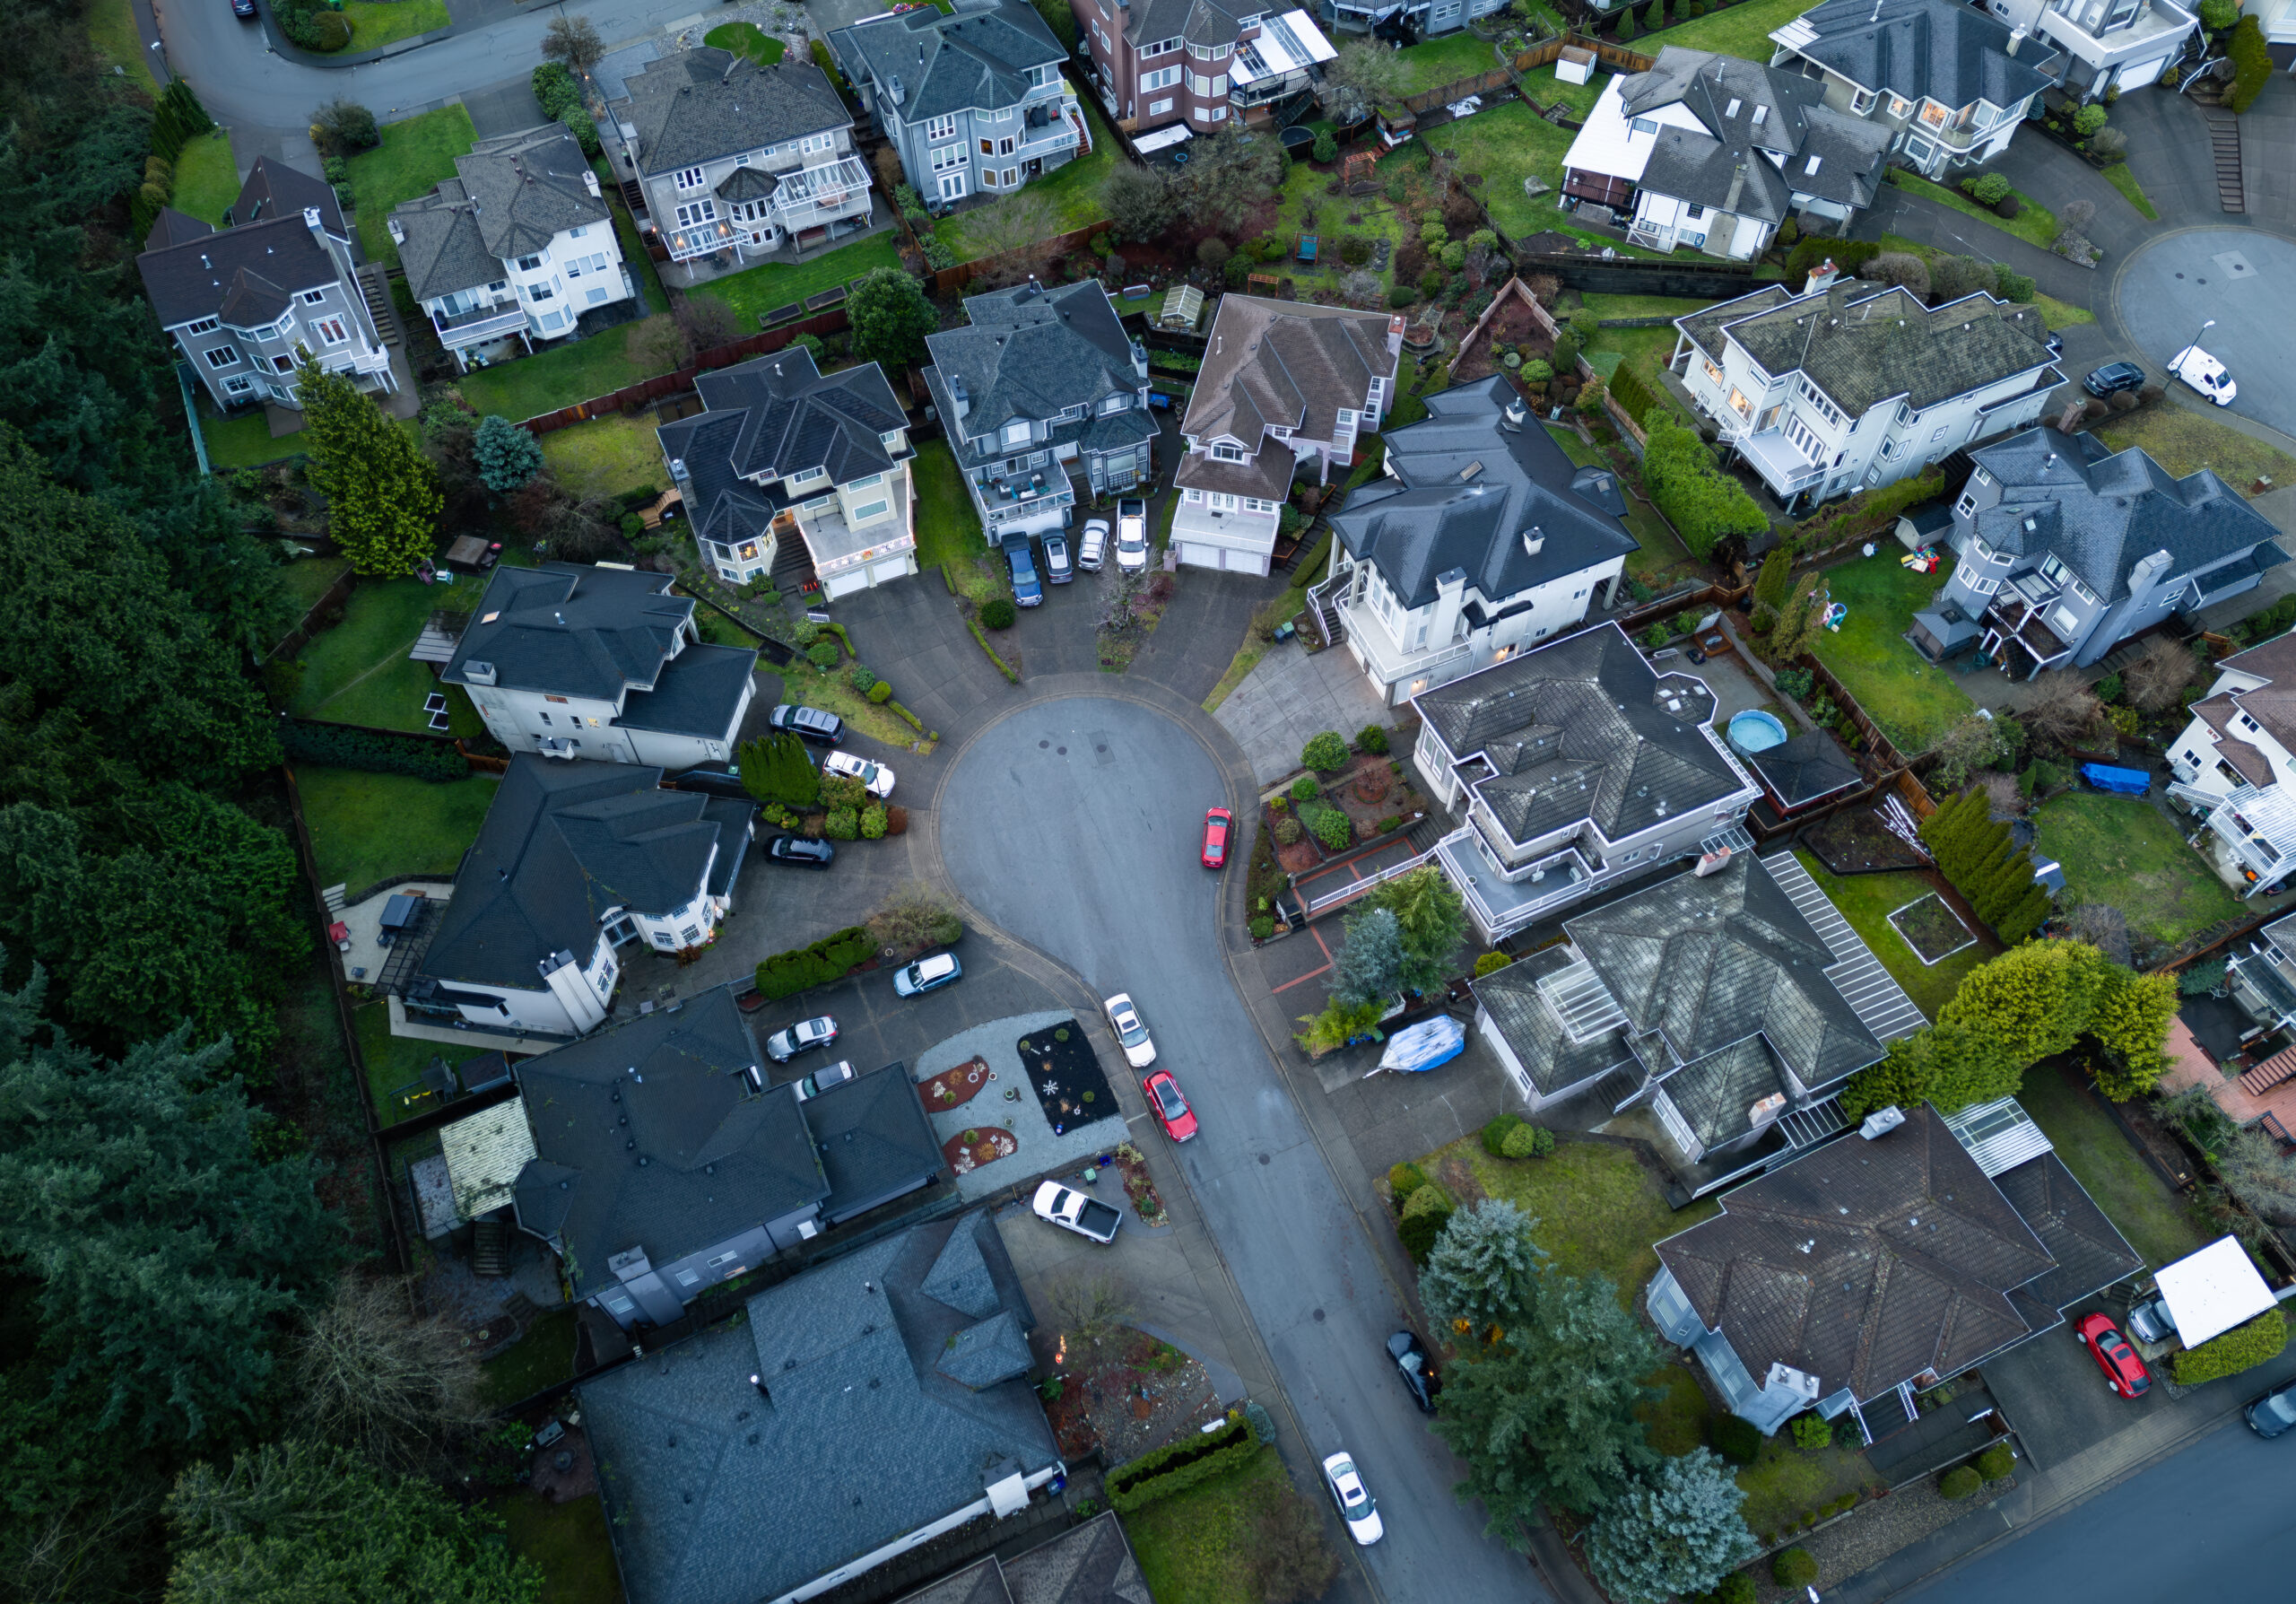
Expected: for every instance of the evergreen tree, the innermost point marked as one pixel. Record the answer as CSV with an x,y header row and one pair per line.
x,y
507,455
1677,1530
1798,622
2030,1002
891,317
1948,1065
1431,917
2025,918
776,768
1367,967
383,498
2130,1021
1774,583
1484,1271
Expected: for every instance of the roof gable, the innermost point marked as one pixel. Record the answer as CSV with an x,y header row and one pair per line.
x,y
694,107
1032,353
975,58
1952,54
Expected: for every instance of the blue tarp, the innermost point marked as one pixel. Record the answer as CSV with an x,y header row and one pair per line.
x,y
2124,782
1424,1045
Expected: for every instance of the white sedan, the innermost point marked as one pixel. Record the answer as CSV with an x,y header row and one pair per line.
x,y
2205,374
875,777
1123,1019
1354,1500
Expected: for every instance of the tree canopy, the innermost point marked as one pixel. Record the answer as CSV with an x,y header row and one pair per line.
x,y
1230,172
1431,918
383,496
1484,1270
1676,1530
890,318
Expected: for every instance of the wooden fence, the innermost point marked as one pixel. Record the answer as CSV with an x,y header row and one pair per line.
x,y
948,281
1875,741
648,390
293,643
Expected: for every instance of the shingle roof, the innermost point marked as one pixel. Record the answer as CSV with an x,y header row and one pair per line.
x,y
1198,21
977,58
274,189
1466,488
983,1355
440,244
875,1141
1952,54
566,630
2090,1250
1690,166
1274,363
708,105
1535,1032
1090,1564
172,227
1811,765
694,694
243,274
516,194
1715,1095
2273,704
776,415
1032,353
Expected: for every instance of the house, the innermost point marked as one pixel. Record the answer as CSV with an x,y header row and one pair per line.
x,y
243,304
1884,1264
780,449
1850,385
1577,765
1190,65
1423,18
519,248
1283,386
2278,19
1714,152
1088,1563
574,861
973,99
1040,384
1733,1002
855,1411
2104,45
601,663
1949,83
2235,762
1481,539
2065,548
732,156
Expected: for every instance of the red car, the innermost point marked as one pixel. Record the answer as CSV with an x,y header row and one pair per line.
x,y
1217,823
1171,1109
2124,1371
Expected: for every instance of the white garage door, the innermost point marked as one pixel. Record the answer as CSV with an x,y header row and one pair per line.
x,y
846,584
1247,562
1199,556
892,568
2140,73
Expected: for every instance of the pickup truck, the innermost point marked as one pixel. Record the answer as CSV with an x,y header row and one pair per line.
x,y
1072,1210
1027,591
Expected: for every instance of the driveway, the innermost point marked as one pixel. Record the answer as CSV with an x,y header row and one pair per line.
x,y
2057,1400
1291,696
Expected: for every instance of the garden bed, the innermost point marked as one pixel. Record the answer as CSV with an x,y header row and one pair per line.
x,y
1126,1395
1133,1165
1931,928
1373,793
1855,840
1132,607
968,1150
953,1088
1067,1079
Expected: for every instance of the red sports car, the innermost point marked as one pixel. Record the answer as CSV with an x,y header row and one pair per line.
x,y
1171,1109
1217,824
2124,1371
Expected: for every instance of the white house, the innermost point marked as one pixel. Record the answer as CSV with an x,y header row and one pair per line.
x,y
602,663
1850,385
1283,384
2236,759
1481,539
2107,44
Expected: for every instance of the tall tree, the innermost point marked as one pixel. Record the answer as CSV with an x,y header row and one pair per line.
x,y
1484,1270
373,1374
506,456
2031,1001
574,41
1140,202
1356,80
1231,172
2130,1021
383,498
1675,1531
1431,917
890,317
1368,965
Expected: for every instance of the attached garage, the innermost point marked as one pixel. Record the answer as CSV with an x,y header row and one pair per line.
x,y
1246,562
2138,74
892,568
1199,556
846,583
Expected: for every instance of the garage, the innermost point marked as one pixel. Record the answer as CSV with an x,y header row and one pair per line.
x,y
1246,562
1197,555
2137,75
892,568
846,584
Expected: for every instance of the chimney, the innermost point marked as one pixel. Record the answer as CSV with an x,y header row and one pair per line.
x,y
894,90
1450,592
311,222
1822,277
398,231
591,178
2016,38
957,397
1533,540
1880,1122
1394,333
1513,418
1737,186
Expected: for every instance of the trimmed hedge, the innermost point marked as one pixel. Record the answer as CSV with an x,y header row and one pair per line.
x,y
1995,1463
1986,865
377,752
561,98
1793,1567
973,625
2243,1348
1178,1466
1494,1134
831,958
1959,1482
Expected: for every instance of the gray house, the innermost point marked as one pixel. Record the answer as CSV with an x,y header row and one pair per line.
x,y
2065,549
974,101
1043,384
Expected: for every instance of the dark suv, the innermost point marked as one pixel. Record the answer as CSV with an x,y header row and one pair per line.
x,y
2114,377
808,724
1028,591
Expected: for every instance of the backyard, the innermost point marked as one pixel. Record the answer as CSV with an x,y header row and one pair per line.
x,y
2184,440
1506,144
207,181
1073,191
1598,1210
1912,701
757,291
393,1062
606,456
1866,901
413,157
1368,217
241,441
1446,60
1542,86
1661,551
1643,352
1195,1546
569,1541
572,372
358,672
2124,852
1741,29
2158,1222
366,827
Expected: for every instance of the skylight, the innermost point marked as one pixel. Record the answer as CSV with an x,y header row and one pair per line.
x,y
1812,165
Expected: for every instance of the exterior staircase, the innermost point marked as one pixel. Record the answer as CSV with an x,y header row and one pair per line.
x,y
377,293
793,564
2225,147
2269,1073
489,1250
333,897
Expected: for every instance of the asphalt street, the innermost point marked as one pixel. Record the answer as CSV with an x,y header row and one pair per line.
x,y
2233,276
1074,825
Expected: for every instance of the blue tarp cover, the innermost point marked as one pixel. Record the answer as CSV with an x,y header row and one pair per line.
x,y
2127,782
1426,1044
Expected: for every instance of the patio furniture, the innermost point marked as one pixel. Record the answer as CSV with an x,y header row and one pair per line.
x,y
1306,251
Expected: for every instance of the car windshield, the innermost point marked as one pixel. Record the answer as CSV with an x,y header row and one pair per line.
x,y
2281,1406
1169,1096
865,773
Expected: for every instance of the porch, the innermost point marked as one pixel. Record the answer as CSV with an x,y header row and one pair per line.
x,y
1781,464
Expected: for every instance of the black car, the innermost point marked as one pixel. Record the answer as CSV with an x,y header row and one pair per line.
x,y
726,781
804,853
1417,1370
2274,1413
808,724
2114,377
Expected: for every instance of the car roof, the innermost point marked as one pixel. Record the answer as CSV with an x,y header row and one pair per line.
x,y
938,964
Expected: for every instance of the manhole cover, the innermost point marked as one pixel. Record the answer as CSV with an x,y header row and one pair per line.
x,y
2231,264
1319,1316
1061,751
1043,745
1263,1158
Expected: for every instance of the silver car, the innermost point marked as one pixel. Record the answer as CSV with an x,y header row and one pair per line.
x,y
1058,569
1092,547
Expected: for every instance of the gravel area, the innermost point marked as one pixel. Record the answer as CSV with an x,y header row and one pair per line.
x,y
1040,1150
1871,1533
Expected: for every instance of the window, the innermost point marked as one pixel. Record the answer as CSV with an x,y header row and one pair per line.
x,y
282,364
1731,112
1696,212
1899,105
1861,102
1158,108
814,143
864,513
697,211
529,264
314,297
541,292
1116,404
1017,434
947,156
1643,124
689,178
1826,409
1227,453
1164,78
1160,47
205,326
988,147
691,934
222,356
1762,116
578,233
1011,178
1966,505
1004,145
238,384
941,127
331,330
1811,166
1713,374
1937,434
1983,477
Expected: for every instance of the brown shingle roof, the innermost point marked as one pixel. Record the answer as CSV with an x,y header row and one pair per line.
x,y
1277,364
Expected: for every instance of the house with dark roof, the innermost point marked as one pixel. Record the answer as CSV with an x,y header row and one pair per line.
x,y
2105,46
1424,18
601,663
1802,772
858,1410
973,99
2236,762
778,450
1169,69
1284,386
1714,152
1480,538
1949,83
519,246
1883,1264
1041,385
244,302
1577,766
1088,1563
1850,385
753,161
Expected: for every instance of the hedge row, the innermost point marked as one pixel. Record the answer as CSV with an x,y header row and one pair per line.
x,y
1179,1466
2243,1348
340,747
561,98
831,958
1986,865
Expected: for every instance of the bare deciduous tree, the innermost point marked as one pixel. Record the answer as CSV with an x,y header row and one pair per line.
x,y
914,915
1233,172
660,344
1361,76
373,1374
2063,712
2160,674
1090,1305
1899,267
574,41
1140,201
706,322
1022,225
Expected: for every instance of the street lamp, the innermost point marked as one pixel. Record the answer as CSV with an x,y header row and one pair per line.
x,y
2195,339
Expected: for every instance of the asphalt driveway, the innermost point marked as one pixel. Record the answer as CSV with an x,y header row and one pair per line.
x,y
2057,1400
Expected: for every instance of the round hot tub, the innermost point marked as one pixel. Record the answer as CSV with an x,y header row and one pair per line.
x,y
1755,730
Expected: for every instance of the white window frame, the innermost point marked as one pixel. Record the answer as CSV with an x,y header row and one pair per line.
x,y
330,329
220,357
1158,108
690,177
205,326
1161,78
693,214
313,298
941,127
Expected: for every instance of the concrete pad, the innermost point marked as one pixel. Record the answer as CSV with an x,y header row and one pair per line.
x,y
509,106
1291,696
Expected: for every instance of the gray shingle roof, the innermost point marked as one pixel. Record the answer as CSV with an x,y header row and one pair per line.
x,y
1723,168
1690,166
875,1141
2090,1250
1032,353
1535,1032
1715,1094
1811,765
695,694
981,1355
274,189
243,274
1090,1564
960,1277
1707,84
566,630
720,1495
1951,53
440,246
975,59
776,415
516,192
694,107
1428,518
172,227
1274,363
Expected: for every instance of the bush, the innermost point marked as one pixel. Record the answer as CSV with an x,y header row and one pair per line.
x,y
1404,1178
863,678
881,693
1494,1134
997,613
1812,1432
1332,828
1373,739
1528,1141
1995,1463
2217,15
823,654
1326,753
1735,1440
1490,964
1177,1467
2251,62
339,746
873,823
1426,1199
2242,1347
1325,148
1792,1568
1288,831
1305,789
559,94
2089,119
1263,927
1736,1588
1401,295
785,974
1704,505
1987,189
841,824
1959,1482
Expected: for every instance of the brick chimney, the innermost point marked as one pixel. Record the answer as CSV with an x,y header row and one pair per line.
x,y
1821,277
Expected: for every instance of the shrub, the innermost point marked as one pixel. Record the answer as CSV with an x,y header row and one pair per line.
x,y
1735,1440
1401,295
1177,1467
1528,1141
1426,1199
1404,1178
1288,831
881,693
1959,1482
1490,964
1263,927
842,824
1494,1134
1995,1463
1305,789
823,654
1792,1568
873,823
1704,505
2089,119
559,94
1326,753
339,746
863,678
997,613
2240,1348
1810,1432
1423,1222
1373,739
2251,62
785,974
1332,828
1736,1588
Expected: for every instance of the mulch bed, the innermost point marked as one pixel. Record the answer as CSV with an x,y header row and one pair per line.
x,y
1856,840
1133,1165
1131,1394
953,1088
968,1150
1511,325
1065,1076
1931,928
1370,791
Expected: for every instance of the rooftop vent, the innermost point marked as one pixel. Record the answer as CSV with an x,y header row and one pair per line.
x,y
1881,1121
1470,471
1534,539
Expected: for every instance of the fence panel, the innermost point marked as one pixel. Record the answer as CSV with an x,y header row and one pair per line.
x,y
1876,742
299,637
948,281
646,390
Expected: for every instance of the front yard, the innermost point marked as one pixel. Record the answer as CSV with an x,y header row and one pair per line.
x,y
2184,440
2034,224
2157,1221
606,456
207,179
1866,901
2125,853
1197,1547
366,827
1074,192
1912,702
1786,1484
948,533
413,157
375,23
359,673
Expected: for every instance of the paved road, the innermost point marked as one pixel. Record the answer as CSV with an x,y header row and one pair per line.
x,y
1074,825
2235,277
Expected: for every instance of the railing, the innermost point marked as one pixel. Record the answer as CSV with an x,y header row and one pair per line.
x,y
821,193
1321,606
1356,888
465,329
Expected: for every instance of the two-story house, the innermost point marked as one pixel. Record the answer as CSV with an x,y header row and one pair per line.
x,y
574,861
973,99
732,156
1420,18
2065,549
519,248
2104,44
779,450
245,303
1714,152
1283,386
1481,539
2236,761
1192,64
1949,82
1577,765
1851,385
1042,383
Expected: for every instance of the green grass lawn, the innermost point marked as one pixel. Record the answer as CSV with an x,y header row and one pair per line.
x,y
2122,851
1912,702
2055,313
1074,192
306,578
392,1061
1301,197
1542,86
1740,31
375,23
2184,440
2157,1221
1866,901
947,530
606,456
569,1541
1643,306
2118,176
1676,1421
540,1358
365,827
1506,144
243,440
1786,1483
1660,550
756,291
111,29
413,157
1196,1547
1643,351
1598,1209
1446,60
560,376
746,38
717,630
207,181
2035,224
358,671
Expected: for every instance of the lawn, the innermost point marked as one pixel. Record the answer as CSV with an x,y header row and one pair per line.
x,y
1740,31
111,29
1786,1483
1506,145
2184,440
241,441
1303,191
540,1359
358,671
717,630
947,531
606,456
746,38
1598,1210
207,181
2125,853
1912,702
756,291
1074,192
1542,86
569,1541
562,375
1196,1547
306,578
833,693
391,1061
413,157
1644,351
375,23
2121,179
2035,224
1867,901
1675,1422
2158,1222
366,827
1442,61
1661,550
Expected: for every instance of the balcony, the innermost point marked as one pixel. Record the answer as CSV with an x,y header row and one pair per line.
x,y
2119,31
814,196
1779,462
1502,906
479,324
1390,663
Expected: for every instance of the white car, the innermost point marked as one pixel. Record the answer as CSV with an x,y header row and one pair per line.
x,y
1123,1019
2205,374
1132,534
875,778
1072,1210
1354,1500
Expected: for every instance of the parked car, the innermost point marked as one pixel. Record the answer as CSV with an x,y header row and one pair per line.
x,y
244,10
2205,374
1072,1210
1131,1034
1131,534
1093,549
2274,1413
809,724
803,1036
2148,1321
1219,823
1058,569
2112,378
804,853
875,778
2125,1373
1026,591
927,974
1417,1369
821,1080
722,780
1354,1500
1171,1109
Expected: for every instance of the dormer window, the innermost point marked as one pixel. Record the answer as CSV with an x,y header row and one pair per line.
x,y
1017,434
1227,453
